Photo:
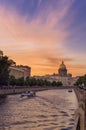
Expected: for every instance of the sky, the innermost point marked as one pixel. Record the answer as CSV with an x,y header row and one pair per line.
x,y
42,33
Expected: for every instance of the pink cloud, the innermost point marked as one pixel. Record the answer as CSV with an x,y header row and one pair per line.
x,y
40,42
15,31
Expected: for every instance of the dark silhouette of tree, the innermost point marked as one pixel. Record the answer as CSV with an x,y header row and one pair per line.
x,y
5,63
81,80
1,53
20,81
27,81
59,83
12,80
54,83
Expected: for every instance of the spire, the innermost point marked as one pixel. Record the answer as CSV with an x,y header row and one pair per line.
x,y
62,66
62,62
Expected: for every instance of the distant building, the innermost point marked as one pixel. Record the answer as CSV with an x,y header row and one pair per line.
x,y
20,71
62,71
62,75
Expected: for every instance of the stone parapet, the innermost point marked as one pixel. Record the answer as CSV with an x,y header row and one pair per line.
x,y
81,96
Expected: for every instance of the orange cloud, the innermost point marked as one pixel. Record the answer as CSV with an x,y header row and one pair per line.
x,y
35,42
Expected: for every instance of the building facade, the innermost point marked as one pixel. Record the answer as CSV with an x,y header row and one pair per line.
x,y
62,71
20,71
62,76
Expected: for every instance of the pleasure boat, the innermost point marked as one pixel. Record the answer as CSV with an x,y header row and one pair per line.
x,y
28,94
70,90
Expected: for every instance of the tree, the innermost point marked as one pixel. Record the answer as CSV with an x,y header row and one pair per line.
x,y
54,83
81,80
47,83
5,63
59,83
27,81
12,80
1,53
20,81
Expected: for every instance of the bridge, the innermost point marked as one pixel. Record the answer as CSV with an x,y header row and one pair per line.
x,y
80,114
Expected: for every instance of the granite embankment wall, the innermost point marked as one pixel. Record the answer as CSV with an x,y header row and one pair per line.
x,y
81,96
16,90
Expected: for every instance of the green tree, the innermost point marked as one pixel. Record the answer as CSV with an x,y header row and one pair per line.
x,y
54,83
27,81
47,83
1,53
5,63
81,80
39,82
20,81
59,83
12,80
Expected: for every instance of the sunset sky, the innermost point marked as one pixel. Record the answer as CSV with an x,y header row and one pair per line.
x,y
42,33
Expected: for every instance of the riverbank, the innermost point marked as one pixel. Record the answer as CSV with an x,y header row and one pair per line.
x,y
2,98
81,97
85,113
18,90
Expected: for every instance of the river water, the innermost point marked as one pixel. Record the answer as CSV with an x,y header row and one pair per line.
x,y
49,110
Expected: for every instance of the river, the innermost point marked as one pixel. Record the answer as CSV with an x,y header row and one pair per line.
x,y
49,110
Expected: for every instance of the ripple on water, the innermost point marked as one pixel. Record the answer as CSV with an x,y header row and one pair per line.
x,y
50,110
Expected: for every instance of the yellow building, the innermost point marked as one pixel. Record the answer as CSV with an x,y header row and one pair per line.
x,y
62,71
20,71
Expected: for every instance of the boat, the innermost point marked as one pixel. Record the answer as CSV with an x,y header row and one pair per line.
x,y
28,94
70,90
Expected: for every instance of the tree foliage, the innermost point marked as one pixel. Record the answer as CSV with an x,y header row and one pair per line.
x,y
5,63
81,80
1,53
12,80
29,81
20,81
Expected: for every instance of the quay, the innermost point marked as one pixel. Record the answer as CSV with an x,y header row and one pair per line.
x,y
18,90
81,111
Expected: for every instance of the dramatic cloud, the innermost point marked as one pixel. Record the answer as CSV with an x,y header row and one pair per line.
x,y
38,33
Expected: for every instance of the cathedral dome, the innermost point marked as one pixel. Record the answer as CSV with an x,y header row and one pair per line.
x,y
62,71
62,66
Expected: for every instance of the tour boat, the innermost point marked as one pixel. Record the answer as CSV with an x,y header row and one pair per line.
x,y
28,94
70,90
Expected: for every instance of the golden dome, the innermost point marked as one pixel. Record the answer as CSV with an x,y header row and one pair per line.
x,y
62,66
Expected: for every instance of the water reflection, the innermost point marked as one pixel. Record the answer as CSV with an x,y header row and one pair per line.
x,y
49,110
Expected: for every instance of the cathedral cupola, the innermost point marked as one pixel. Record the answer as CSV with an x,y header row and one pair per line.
x,y
62,69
